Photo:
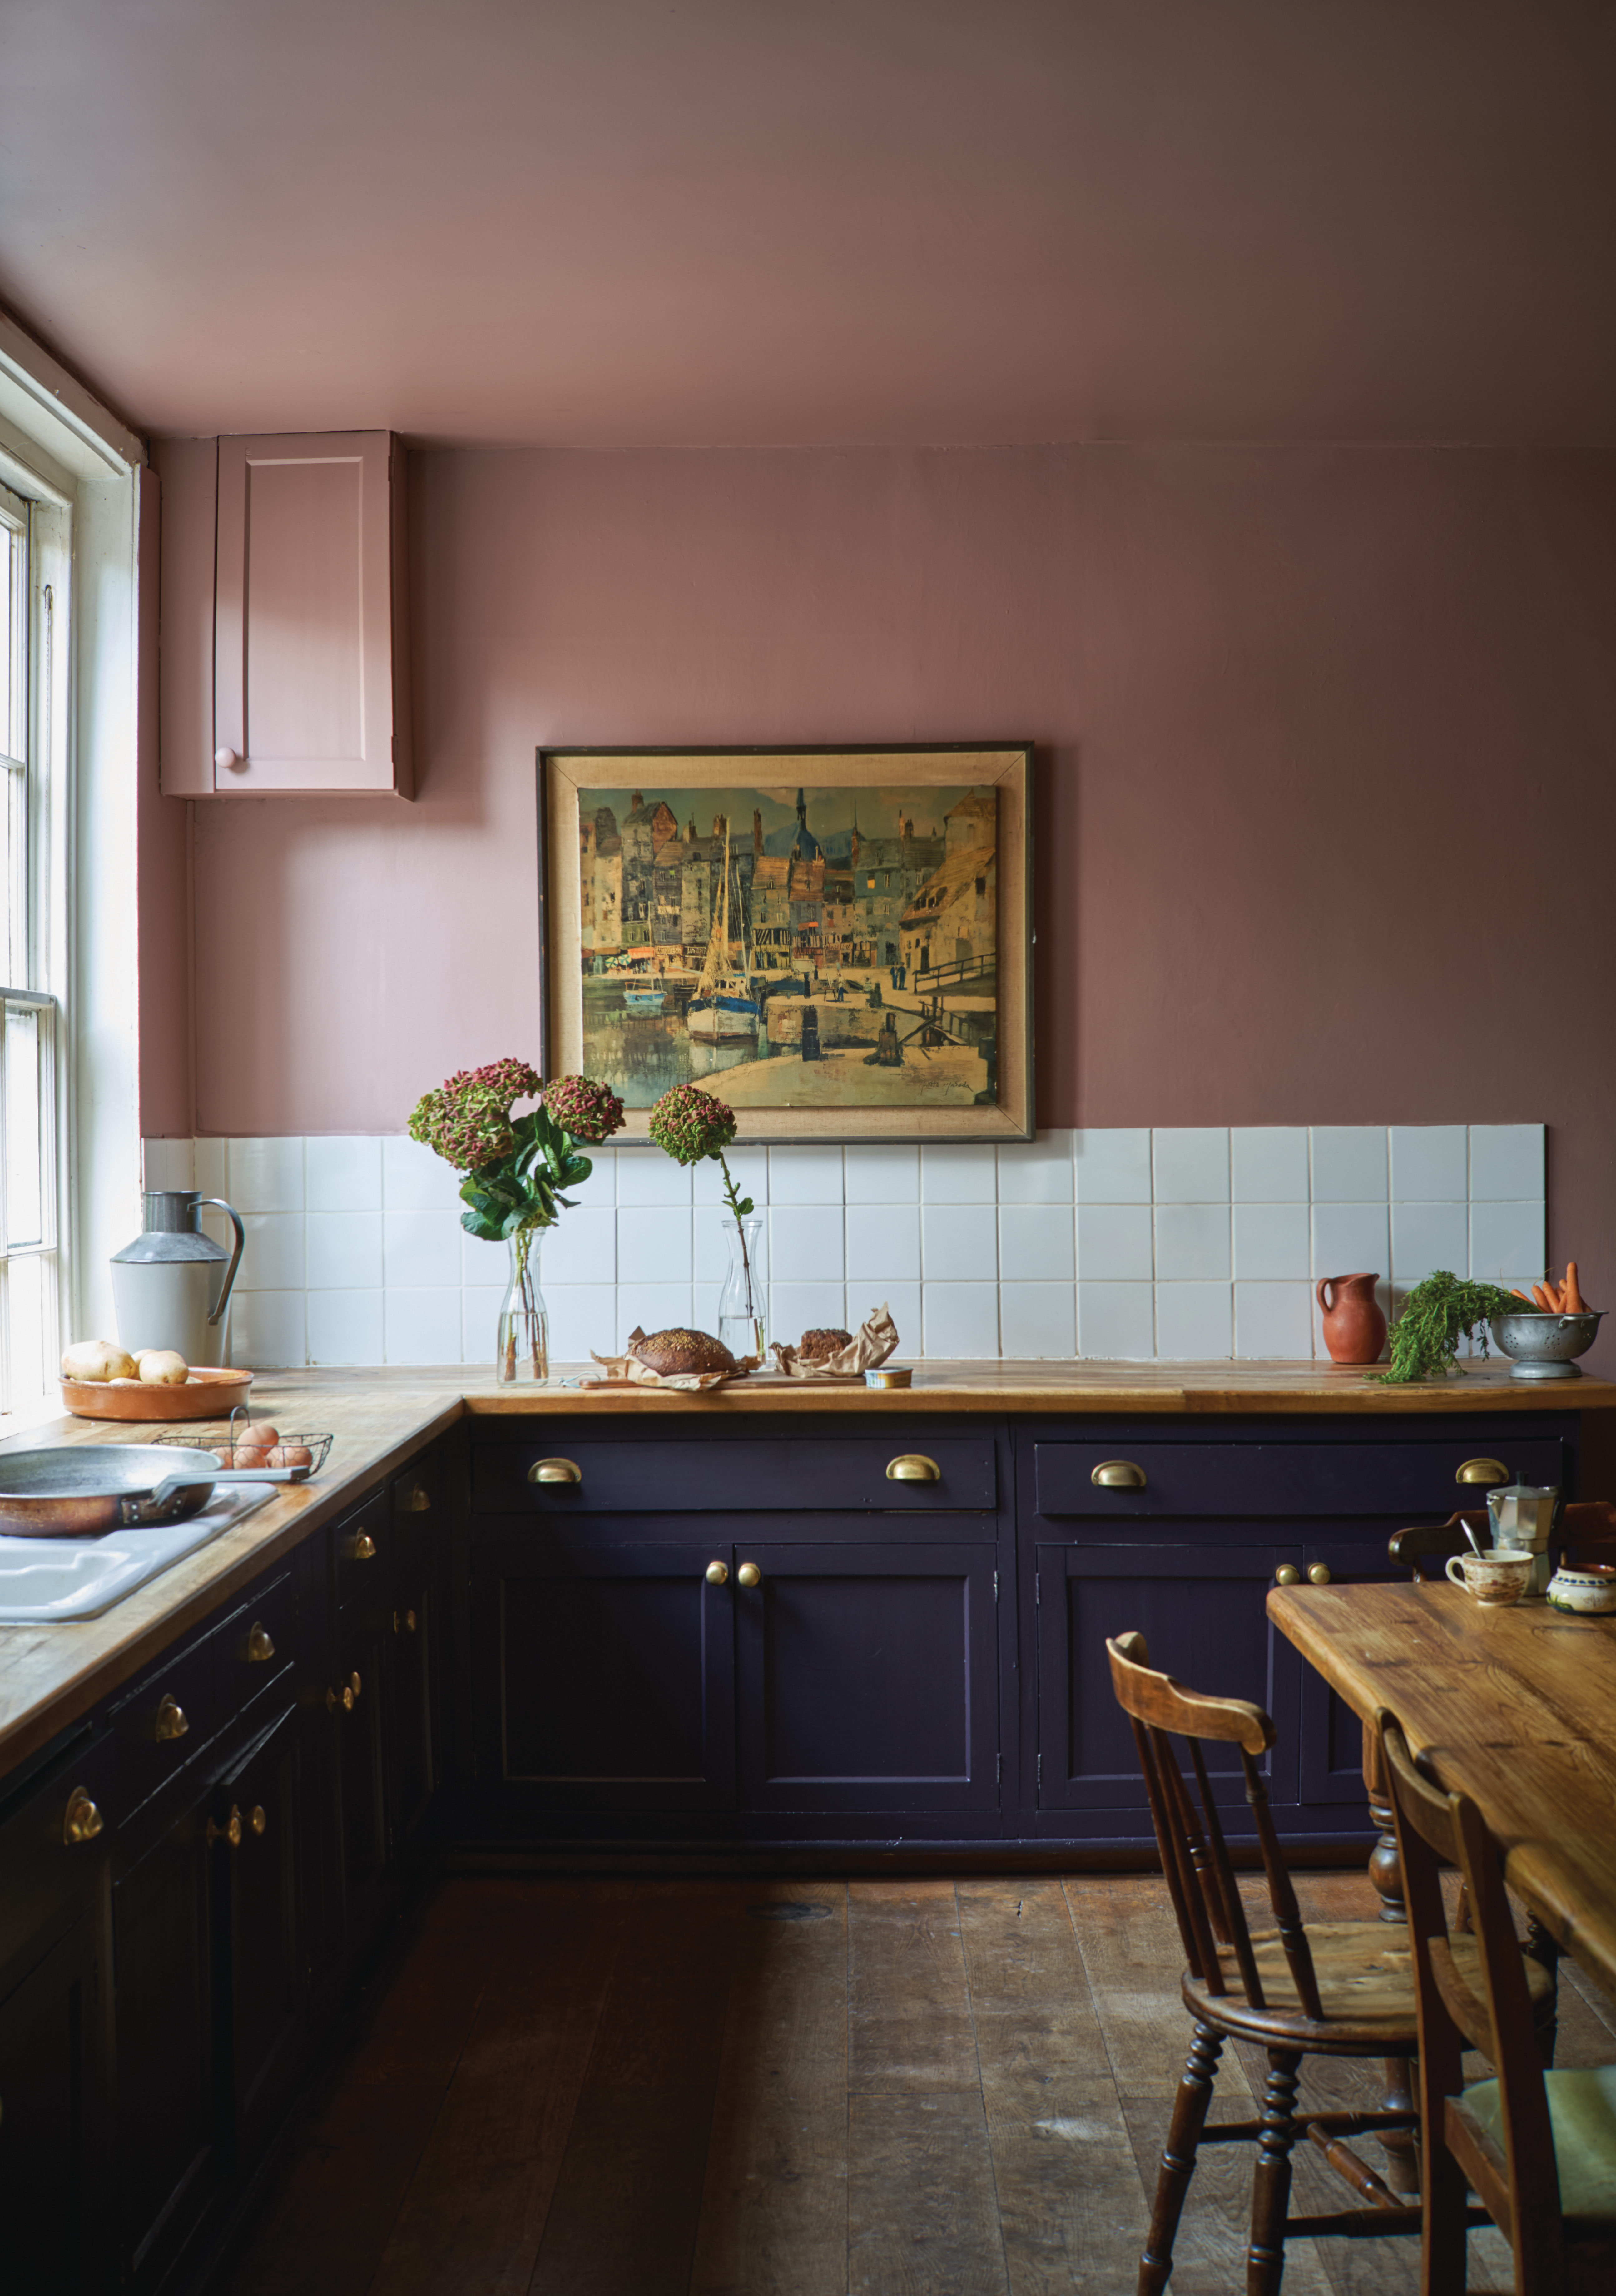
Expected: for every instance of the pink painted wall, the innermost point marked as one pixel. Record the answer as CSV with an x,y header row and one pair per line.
x,y
1326,803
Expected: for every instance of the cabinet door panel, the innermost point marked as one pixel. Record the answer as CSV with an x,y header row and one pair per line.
x,y
604,1681
1329,1739
162,1975
412,1718
867,1678
1202,1617
361,1754
262,1978
303,627
48,2110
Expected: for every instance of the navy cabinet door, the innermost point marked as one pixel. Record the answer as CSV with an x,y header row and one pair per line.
x,y
1201,1611
604,1679
1330,1738
867,1677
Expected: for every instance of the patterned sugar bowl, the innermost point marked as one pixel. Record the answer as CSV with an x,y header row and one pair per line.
x,y
1590,1590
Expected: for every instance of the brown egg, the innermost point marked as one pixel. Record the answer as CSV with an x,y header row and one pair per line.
x,y
297,1454
258,1436
252,1455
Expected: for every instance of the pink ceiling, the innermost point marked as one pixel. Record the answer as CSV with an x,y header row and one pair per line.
x,y
607,221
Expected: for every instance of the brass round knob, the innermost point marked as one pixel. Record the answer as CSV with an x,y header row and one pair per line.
x,y
343,1697
260,1820
1483,1471
554,1471
404,1622
1287,1575
230,1831
171,1720
1118,1475
362,1549
748,1575
717,1574
261,1645
354,1683
81,1820
1318,1574
913,1467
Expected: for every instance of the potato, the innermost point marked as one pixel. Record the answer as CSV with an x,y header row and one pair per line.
x,y
162,1367
97,1361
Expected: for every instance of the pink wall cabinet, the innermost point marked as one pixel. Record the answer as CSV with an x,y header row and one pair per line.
x,y
309,655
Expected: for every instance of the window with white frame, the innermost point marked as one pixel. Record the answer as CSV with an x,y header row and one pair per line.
x,y
30,685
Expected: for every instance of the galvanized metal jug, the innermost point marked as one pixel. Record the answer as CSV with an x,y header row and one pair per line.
x,y
172,1283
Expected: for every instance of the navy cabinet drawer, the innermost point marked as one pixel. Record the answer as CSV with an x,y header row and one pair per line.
x,y
1241,1479
706,1477
166,1718
254,1647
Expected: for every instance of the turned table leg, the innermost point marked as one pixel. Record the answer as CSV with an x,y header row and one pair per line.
x,y
1385,1866
1386,1873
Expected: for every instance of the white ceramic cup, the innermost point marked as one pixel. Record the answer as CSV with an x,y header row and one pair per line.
x,y
1497,1576
1590,1591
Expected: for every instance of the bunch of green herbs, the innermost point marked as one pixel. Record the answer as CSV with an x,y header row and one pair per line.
x,y
1441,1310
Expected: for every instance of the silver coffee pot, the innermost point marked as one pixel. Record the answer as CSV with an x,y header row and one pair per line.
x,y
171,1285
1522,1516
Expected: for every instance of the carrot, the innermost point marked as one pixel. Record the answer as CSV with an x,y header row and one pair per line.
x,y
1574,1305
1543,1299
1515,1292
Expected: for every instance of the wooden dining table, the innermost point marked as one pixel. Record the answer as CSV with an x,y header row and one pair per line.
x,y
1515,1706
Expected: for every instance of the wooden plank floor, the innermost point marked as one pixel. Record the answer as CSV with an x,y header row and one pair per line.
x,y
794,2089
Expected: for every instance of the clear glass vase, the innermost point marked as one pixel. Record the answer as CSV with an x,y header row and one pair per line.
x,y
740,1303
522,1353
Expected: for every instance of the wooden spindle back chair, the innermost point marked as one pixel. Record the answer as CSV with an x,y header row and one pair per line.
x,y
1538,2149
1343,1989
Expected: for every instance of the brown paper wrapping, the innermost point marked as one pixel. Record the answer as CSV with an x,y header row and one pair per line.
x,y
874,1341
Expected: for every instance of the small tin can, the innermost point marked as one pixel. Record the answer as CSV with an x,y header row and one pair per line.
x,y
890,1375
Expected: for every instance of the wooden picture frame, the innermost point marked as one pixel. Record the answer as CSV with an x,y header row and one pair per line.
x,y
691,929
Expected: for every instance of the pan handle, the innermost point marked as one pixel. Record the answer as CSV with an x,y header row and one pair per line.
x,y
218,1316
172,1485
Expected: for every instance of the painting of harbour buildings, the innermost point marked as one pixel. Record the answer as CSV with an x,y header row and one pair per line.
x,y
816,947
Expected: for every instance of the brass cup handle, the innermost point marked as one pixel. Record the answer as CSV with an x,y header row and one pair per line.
x,y
1483,1471
1287,1575
362,1548
1318,1574
748,1575
418,1500
404,1622
554,1471
1118,1475
343,1697
171,1721
716,1574
81,1820
230,1831
261,1645
913,1467
260,1820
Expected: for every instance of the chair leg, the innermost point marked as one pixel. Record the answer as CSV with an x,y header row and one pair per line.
x,y
1179,2157
1271,2191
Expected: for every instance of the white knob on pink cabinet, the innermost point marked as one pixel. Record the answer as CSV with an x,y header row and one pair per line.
x,y
229,761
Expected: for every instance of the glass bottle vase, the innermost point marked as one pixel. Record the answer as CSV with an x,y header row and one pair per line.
x,y
523,1352
740,1303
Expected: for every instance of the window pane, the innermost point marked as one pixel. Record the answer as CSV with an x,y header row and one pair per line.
x,y
24,1144
29,1341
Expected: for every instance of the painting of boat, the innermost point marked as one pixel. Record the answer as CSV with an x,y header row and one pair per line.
x,y
644,1000
723,1010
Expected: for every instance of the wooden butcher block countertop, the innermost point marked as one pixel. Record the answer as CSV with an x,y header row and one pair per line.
x,y
50,1675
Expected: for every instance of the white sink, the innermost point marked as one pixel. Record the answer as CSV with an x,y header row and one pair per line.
x,y
49,1581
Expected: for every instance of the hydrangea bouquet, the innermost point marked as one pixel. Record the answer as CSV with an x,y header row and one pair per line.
x,y
513,1171
690,1126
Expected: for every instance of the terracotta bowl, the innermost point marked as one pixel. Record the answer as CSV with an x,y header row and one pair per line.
x,y
207,1394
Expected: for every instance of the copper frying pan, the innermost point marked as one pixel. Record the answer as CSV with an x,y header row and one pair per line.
x,y
83,1490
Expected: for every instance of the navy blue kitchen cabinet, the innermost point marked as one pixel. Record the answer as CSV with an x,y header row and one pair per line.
x,y
1132,1525
720,1636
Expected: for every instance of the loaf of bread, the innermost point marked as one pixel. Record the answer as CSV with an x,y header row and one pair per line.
x,y
816,1346
672,1353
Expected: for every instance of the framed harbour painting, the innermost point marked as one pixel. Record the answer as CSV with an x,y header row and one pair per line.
x,y
836,942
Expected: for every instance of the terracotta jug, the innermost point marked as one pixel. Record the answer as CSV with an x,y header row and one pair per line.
x,y
1355,1329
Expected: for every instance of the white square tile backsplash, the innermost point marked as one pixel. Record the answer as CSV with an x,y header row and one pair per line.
x,y
1182,1244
